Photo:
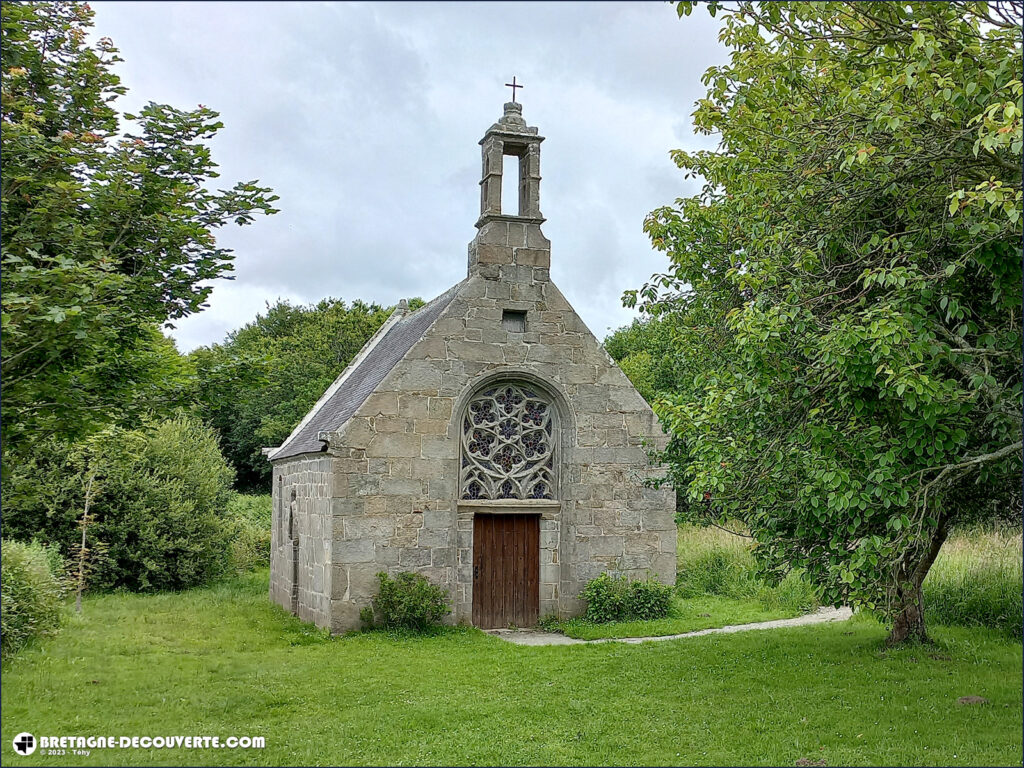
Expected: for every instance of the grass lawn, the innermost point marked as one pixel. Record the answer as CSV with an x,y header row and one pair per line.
x,y
977,581
685,615
223,661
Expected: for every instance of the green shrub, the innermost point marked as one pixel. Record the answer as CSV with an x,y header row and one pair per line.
x,y
163,512
614,598
407,601
43,494
56,563
605,598
366,616
648,599
31,579
159,501
249,517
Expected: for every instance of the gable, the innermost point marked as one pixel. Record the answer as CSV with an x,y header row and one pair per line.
x,y
468,344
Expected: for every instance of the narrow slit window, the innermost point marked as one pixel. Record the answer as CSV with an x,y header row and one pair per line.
x,y
513,321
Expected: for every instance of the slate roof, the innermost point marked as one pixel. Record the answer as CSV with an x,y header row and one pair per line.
x,y
381,355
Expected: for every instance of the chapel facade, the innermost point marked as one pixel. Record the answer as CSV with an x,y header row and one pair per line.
x,y
485,440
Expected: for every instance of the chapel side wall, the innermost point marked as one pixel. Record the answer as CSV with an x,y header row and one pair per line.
x,y
280,578
396,461
308,477
392,493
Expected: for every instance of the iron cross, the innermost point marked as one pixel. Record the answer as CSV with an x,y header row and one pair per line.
x,y
513,86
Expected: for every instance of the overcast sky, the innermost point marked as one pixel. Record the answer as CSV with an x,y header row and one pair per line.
x,y
365,118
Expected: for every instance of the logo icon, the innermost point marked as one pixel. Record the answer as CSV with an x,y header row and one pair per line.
x,y
25,744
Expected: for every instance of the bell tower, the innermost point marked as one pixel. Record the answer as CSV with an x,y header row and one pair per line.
x,y
509,244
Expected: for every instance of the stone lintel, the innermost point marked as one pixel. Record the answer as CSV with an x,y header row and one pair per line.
x,y
546,508
488,218
507,137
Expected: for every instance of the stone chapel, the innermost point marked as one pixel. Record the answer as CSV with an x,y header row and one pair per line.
x,y
485,440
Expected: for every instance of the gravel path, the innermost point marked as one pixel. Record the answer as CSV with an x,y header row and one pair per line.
x,y
538,637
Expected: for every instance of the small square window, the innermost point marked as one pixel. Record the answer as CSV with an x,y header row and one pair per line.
x,y
513,320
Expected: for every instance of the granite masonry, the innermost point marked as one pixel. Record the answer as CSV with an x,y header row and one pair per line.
x,y
492,409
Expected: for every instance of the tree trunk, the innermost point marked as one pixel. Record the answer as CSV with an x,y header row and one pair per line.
x,y
908,624
83,552
908,621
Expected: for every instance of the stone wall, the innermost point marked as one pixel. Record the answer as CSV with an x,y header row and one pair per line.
x,y
395,463
301,538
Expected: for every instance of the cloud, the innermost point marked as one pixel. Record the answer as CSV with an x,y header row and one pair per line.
x,y
365,119
232,305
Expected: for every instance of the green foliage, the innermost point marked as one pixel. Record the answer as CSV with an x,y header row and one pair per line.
x,y
549,623
31,606
605,598
793,592
651,355
249,518
862,389
43,495
665,356
729,574
718,572
107,233
408,601
975,582
256,386
366,616
158,502
615,598
161,509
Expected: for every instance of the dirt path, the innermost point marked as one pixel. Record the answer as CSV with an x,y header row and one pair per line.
x,y
539,637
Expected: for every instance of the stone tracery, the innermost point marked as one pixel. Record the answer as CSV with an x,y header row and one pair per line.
x,y
507,445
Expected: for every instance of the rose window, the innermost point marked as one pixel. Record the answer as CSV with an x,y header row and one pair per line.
x,y
507,445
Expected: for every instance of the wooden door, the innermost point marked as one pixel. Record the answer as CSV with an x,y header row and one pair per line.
x,y
506,570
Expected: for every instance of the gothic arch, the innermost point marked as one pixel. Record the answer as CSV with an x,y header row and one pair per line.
x,y
513,432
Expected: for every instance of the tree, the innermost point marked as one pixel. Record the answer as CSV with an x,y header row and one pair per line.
x,y
153,500
664,355
855,255
256,386
105,237
649,352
